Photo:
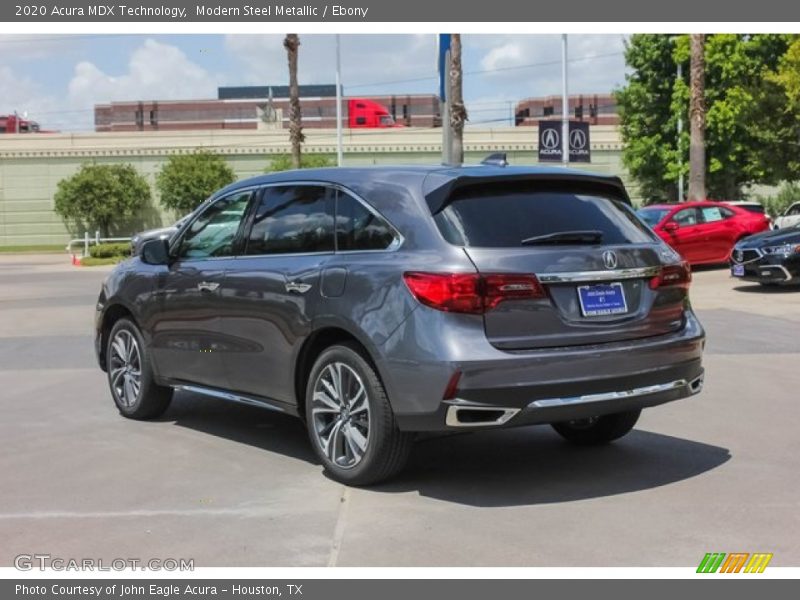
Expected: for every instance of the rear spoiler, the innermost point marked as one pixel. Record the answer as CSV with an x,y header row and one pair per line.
x,y
439,196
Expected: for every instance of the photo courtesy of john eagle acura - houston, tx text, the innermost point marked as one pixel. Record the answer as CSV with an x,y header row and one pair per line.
x,y
377,303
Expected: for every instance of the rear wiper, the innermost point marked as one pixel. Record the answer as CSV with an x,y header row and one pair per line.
x,y
588,236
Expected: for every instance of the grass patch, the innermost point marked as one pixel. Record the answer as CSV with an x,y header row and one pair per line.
x,y
91,261
33,248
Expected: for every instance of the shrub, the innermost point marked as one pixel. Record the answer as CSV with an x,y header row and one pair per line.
x,y
97,196
185,180
283,162
110,250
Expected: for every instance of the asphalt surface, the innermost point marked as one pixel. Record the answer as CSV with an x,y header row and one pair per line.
x,y
230,485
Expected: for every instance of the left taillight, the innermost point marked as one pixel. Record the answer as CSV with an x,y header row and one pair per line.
x,y
679,275
472,293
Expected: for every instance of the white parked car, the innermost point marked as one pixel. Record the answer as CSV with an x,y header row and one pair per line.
x,y
790,218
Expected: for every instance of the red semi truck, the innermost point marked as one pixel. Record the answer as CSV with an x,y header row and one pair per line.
x,y
368,114
16,124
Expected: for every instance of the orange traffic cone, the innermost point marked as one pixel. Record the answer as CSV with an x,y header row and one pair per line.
x,y
76,262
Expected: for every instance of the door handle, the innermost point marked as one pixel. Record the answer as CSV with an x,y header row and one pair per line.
x,y
298,288
207,286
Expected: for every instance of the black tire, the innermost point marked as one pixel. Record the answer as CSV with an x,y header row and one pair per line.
x,y
598,430
147,401
386,447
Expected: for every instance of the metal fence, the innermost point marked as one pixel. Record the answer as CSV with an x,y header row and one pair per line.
x,y
86,241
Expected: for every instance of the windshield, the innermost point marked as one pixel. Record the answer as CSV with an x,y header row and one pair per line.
x,y
387,120
652,216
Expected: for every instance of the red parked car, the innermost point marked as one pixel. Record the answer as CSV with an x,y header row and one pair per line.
x,y
702,232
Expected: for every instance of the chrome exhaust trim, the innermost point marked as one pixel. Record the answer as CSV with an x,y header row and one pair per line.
x,y
452,418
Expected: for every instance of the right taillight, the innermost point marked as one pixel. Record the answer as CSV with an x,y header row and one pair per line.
x,y
679,275
472,293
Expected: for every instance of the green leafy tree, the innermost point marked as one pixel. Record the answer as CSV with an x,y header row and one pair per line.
x,y
283,162
100,196
186,180
746,134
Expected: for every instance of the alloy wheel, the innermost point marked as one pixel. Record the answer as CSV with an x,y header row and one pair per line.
x,y
340,415
125,368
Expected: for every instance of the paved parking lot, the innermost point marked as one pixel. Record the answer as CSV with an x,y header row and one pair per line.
x,y
231,485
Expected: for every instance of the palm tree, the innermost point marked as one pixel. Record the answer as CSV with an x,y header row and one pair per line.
x,y
458,112
697,117
292,42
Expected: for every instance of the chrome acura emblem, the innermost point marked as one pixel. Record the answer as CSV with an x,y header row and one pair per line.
x,y
610,259
739,256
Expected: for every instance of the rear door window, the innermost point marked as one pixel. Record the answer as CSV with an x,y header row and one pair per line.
x,y
295,219
502,215
712,214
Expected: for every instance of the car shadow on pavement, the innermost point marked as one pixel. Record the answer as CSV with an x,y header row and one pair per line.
x,y
511,467
533,465
265,429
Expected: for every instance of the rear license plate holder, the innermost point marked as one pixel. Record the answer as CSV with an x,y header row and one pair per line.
x,y
602,299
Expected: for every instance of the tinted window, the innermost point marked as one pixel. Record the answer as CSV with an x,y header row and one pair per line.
x,y
793,211
214,231
357,228
293,219
686,217
502,215
652,216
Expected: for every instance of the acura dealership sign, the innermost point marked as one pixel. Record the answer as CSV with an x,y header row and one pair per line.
x,y
550,141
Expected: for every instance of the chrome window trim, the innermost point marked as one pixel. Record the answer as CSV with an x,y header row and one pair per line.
x,y
398,241
607,275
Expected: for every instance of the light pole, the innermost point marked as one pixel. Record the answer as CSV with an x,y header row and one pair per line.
x,y
339,152
678,142
564,103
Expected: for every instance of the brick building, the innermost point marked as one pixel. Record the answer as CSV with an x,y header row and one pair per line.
x,y
256,108
596,109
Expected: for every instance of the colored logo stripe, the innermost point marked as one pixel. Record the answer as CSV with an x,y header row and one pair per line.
x,y
734,563
758,562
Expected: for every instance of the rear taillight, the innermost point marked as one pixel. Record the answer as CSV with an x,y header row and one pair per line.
x,y
679,275
471,292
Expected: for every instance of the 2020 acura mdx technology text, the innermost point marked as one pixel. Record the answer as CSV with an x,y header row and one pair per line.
x,y
375,303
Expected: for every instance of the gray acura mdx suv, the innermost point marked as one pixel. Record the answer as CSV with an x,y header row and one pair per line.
x,y
375,303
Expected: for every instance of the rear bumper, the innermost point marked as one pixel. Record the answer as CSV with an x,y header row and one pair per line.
x,y
506,389
463,414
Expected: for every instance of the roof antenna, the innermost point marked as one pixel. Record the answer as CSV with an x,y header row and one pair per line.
x,y
498,159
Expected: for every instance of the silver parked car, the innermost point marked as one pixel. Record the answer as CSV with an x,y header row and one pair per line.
x,y
375,303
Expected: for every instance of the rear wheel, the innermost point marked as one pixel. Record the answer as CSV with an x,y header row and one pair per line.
x,y
130,375
350,421
597,430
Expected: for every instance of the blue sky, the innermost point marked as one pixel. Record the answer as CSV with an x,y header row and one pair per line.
x,y
58,79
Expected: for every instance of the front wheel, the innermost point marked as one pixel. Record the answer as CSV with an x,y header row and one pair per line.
x,y
597,430
350,421
130,374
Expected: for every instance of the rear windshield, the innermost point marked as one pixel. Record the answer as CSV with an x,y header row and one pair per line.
x,y
502,216
753,208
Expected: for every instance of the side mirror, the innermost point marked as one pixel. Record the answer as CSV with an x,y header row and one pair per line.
x,y
155,252
671,226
